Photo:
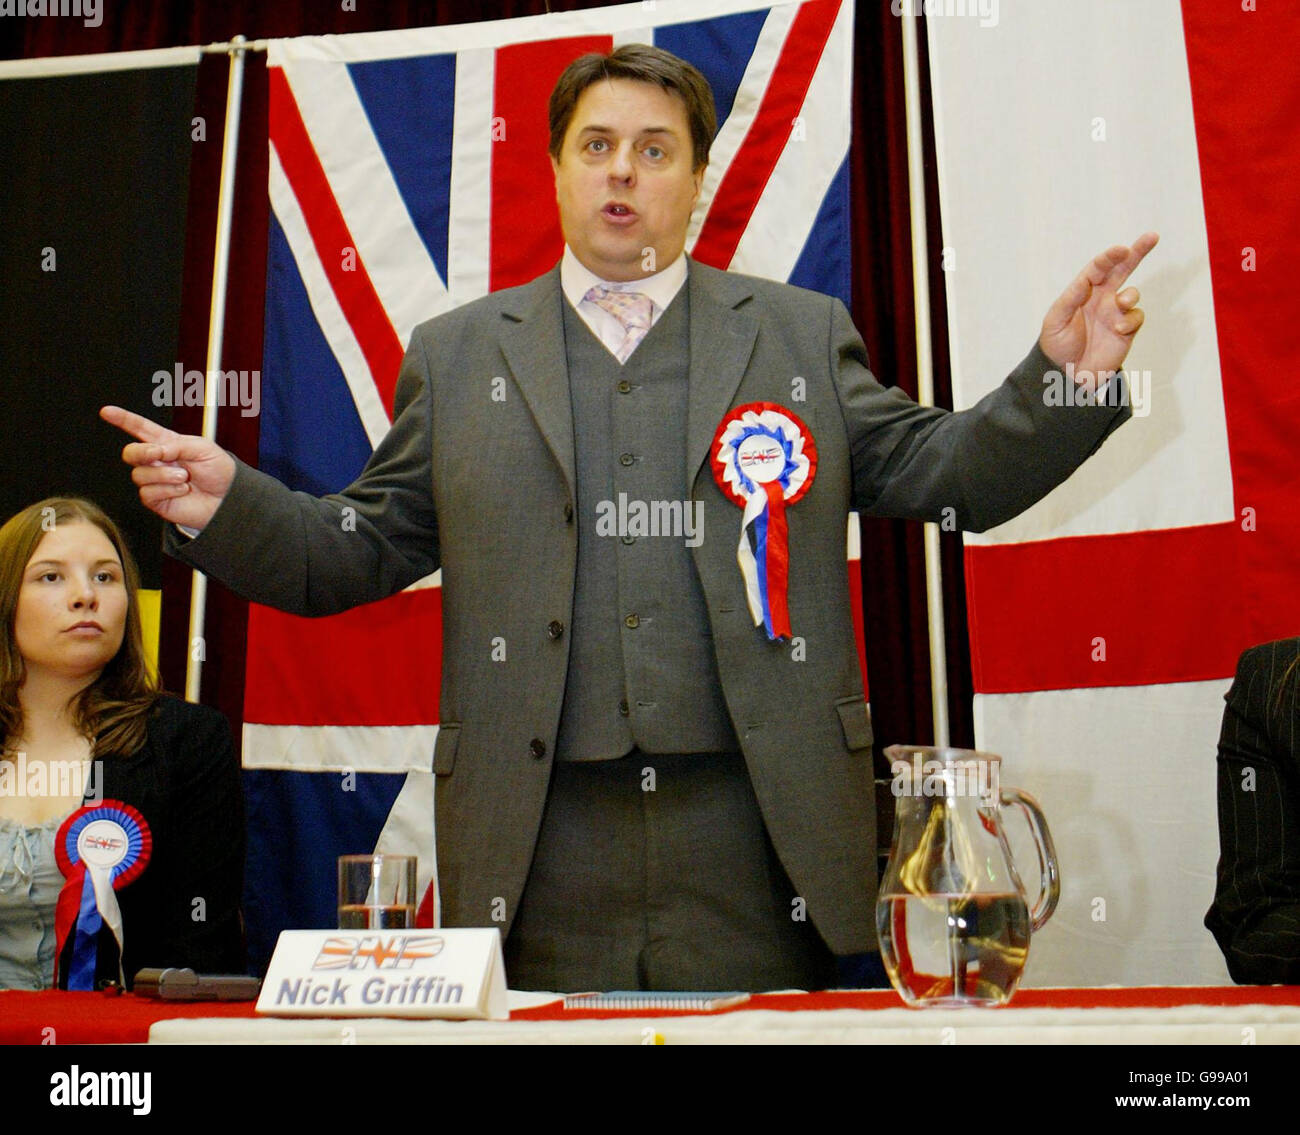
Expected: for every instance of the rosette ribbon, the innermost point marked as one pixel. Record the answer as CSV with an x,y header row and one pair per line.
x,y
100,848
764,459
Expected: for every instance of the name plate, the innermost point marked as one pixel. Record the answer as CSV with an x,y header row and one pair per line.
x,y
386,973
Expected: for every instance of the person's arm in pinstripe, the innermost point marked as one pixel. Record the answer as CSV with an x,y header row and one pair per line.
x,y
1256,912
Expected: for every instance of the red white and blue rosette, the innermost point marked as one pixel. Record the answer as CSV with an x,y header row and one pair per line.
x,y
100,848
764,459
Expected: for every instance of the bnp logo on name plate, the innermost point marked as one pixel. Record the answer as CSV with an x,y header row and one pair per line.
x,y
386,973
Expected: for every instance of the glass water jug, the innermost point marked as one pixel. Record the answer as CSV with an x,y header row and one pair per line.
x,y
952,916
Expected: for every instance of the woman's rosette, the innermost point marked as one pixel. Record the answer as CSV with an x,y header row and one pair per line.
x,y
100,848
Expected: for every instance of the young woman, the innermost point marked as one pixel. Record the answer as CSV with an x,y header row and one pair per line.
x,y
83,721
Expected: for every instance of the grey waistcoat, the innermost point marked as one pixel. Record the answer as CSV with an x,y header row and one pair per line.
x,y
641,663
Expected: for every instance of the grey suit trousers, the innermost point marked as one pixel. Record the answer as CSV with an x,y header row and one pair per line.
x,y
656,872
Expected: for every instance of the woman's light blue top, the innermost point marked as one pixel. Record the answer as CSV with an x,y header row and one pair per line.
x,y
30,881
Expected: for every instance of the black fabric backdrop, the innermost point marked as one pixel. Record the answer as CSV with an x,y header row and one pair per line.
x,y
892,566
93,187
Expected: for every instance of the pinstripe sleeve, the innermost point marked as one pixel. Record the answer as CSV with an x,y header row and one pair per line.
x,y
1256,912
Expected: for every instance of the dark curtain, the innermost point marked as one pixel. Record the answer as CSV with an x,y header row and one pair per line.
x,y
93,202
892,565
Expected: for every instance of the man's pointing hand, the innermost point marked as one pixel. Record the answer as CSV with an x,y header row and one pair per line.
x,y
1092,324
182,478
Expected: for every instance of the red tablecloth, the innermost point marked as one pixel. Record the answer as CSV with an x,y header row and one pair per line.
x,y
92,1018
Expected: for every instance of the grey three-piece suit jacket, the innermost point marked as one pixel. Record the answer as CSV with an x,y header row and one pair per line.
x,y
478,478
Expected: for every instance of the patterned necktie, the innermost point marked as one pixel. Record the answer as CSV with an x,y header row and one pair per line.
x,y
633,311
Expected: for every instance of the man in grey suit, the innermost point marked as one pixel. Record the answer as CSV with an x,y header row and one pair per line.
x,y
654,767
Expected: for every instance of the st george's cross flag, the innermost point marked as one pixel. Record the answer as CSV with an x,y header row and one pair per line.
x,y
409,174
1106,621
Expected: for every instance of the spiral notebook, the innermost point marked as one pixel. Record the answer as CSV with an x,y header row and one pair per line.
x,y
635,1001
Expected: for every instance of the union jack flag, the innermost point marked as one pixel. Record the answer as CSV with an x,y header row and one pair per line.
x,y
408,175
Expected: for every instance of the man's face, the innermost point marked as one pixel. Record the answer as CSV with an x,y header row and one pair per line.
x,y
624,182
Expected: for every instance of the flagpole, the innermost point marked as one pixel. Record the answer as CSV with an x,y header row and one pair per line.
x,y
924,361
216,332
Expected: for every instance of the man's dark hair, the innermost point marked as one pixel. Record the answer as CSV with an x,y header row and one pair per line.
x,y
644,64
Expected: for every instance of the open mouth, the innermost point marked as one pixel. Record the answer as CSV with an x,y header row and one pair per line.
x,y
614,209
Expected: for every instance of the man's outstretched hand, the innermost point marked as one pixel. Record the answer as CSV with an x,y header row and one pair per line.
x,y
182,478
1093,323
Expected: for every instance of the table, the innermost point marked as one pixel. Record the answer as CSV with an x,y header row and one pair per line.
x,y
1264,1015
